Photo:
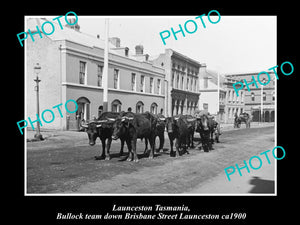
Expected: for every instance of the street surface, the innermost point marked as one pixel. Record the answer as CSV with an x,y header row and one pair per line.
x,y
66,165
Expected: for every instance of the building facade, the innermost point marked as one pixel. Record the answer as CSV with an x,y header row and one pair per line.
x,y
259,102
71,68
234,105
182,82
213,94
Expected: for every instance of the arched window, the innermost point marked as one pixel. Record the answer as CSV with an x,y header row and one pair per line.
x,y
153,108
139,107
116,106
83,111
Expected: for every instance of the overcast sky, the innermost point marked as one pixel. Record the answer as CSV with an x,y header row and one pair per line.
x,y
235,44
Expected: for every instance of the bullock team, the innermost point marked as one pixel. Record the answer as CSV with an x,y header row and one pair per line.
x,y
128,127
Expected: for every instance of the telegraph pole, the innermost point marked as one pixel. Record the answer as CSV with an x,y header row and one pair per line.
x,y
105,68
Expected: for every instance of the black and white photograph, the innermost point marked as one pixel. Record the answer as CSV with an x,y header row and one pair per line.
x,y
154,118
122,113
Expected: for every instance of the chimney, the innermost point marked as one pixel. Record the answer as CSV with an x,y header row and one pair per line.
x,y
75,26
139,50
115,41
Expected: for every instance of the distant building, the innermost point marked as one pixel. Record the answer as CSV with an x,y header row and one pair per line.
x,y
72,65
212,99
251,101
182,82
234,105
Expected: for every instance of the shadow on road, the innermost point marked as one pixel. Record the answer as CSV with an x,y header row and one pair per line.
x,y
262,186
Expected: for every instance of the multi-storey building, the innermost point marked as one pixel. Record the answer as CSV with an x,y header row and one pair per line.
x,y
182,82
213,93
234,105
71,68
259,102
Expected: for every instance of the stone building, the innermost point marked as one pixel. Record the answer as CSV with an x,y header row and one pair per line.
x,y
260,100
212,97
71,68
234,105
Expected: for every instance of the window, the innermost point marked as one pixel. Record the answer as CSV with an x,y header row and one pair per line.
x,y
205,82
151,85
100,110
229,113
182,81
194,84
133,82
158,87
83,111
187,84
99,75
116,79
116,106
82,72
142,85
153,108
252,97
273,96
177,83
139,107
264,96
242,96
173,79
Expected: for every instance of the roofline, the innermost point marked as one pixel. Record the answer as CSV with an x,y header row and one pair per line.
x,y
185,57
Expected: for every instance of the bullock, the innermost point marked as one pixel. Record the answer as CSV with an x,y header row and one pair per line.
x,y
102,128
132,126
244,117
177,128
205,128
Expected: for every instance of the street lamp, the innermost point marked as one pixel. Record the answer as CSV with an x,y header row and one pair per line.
x,y
37,69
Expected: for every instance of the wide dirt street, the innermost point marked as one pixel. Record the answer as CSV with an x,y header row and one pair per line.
x,y
67,166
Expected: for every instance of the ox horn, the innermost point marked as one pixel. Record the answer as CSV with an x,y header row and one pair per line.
x,y
191,120
99,123
126,118
102,121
